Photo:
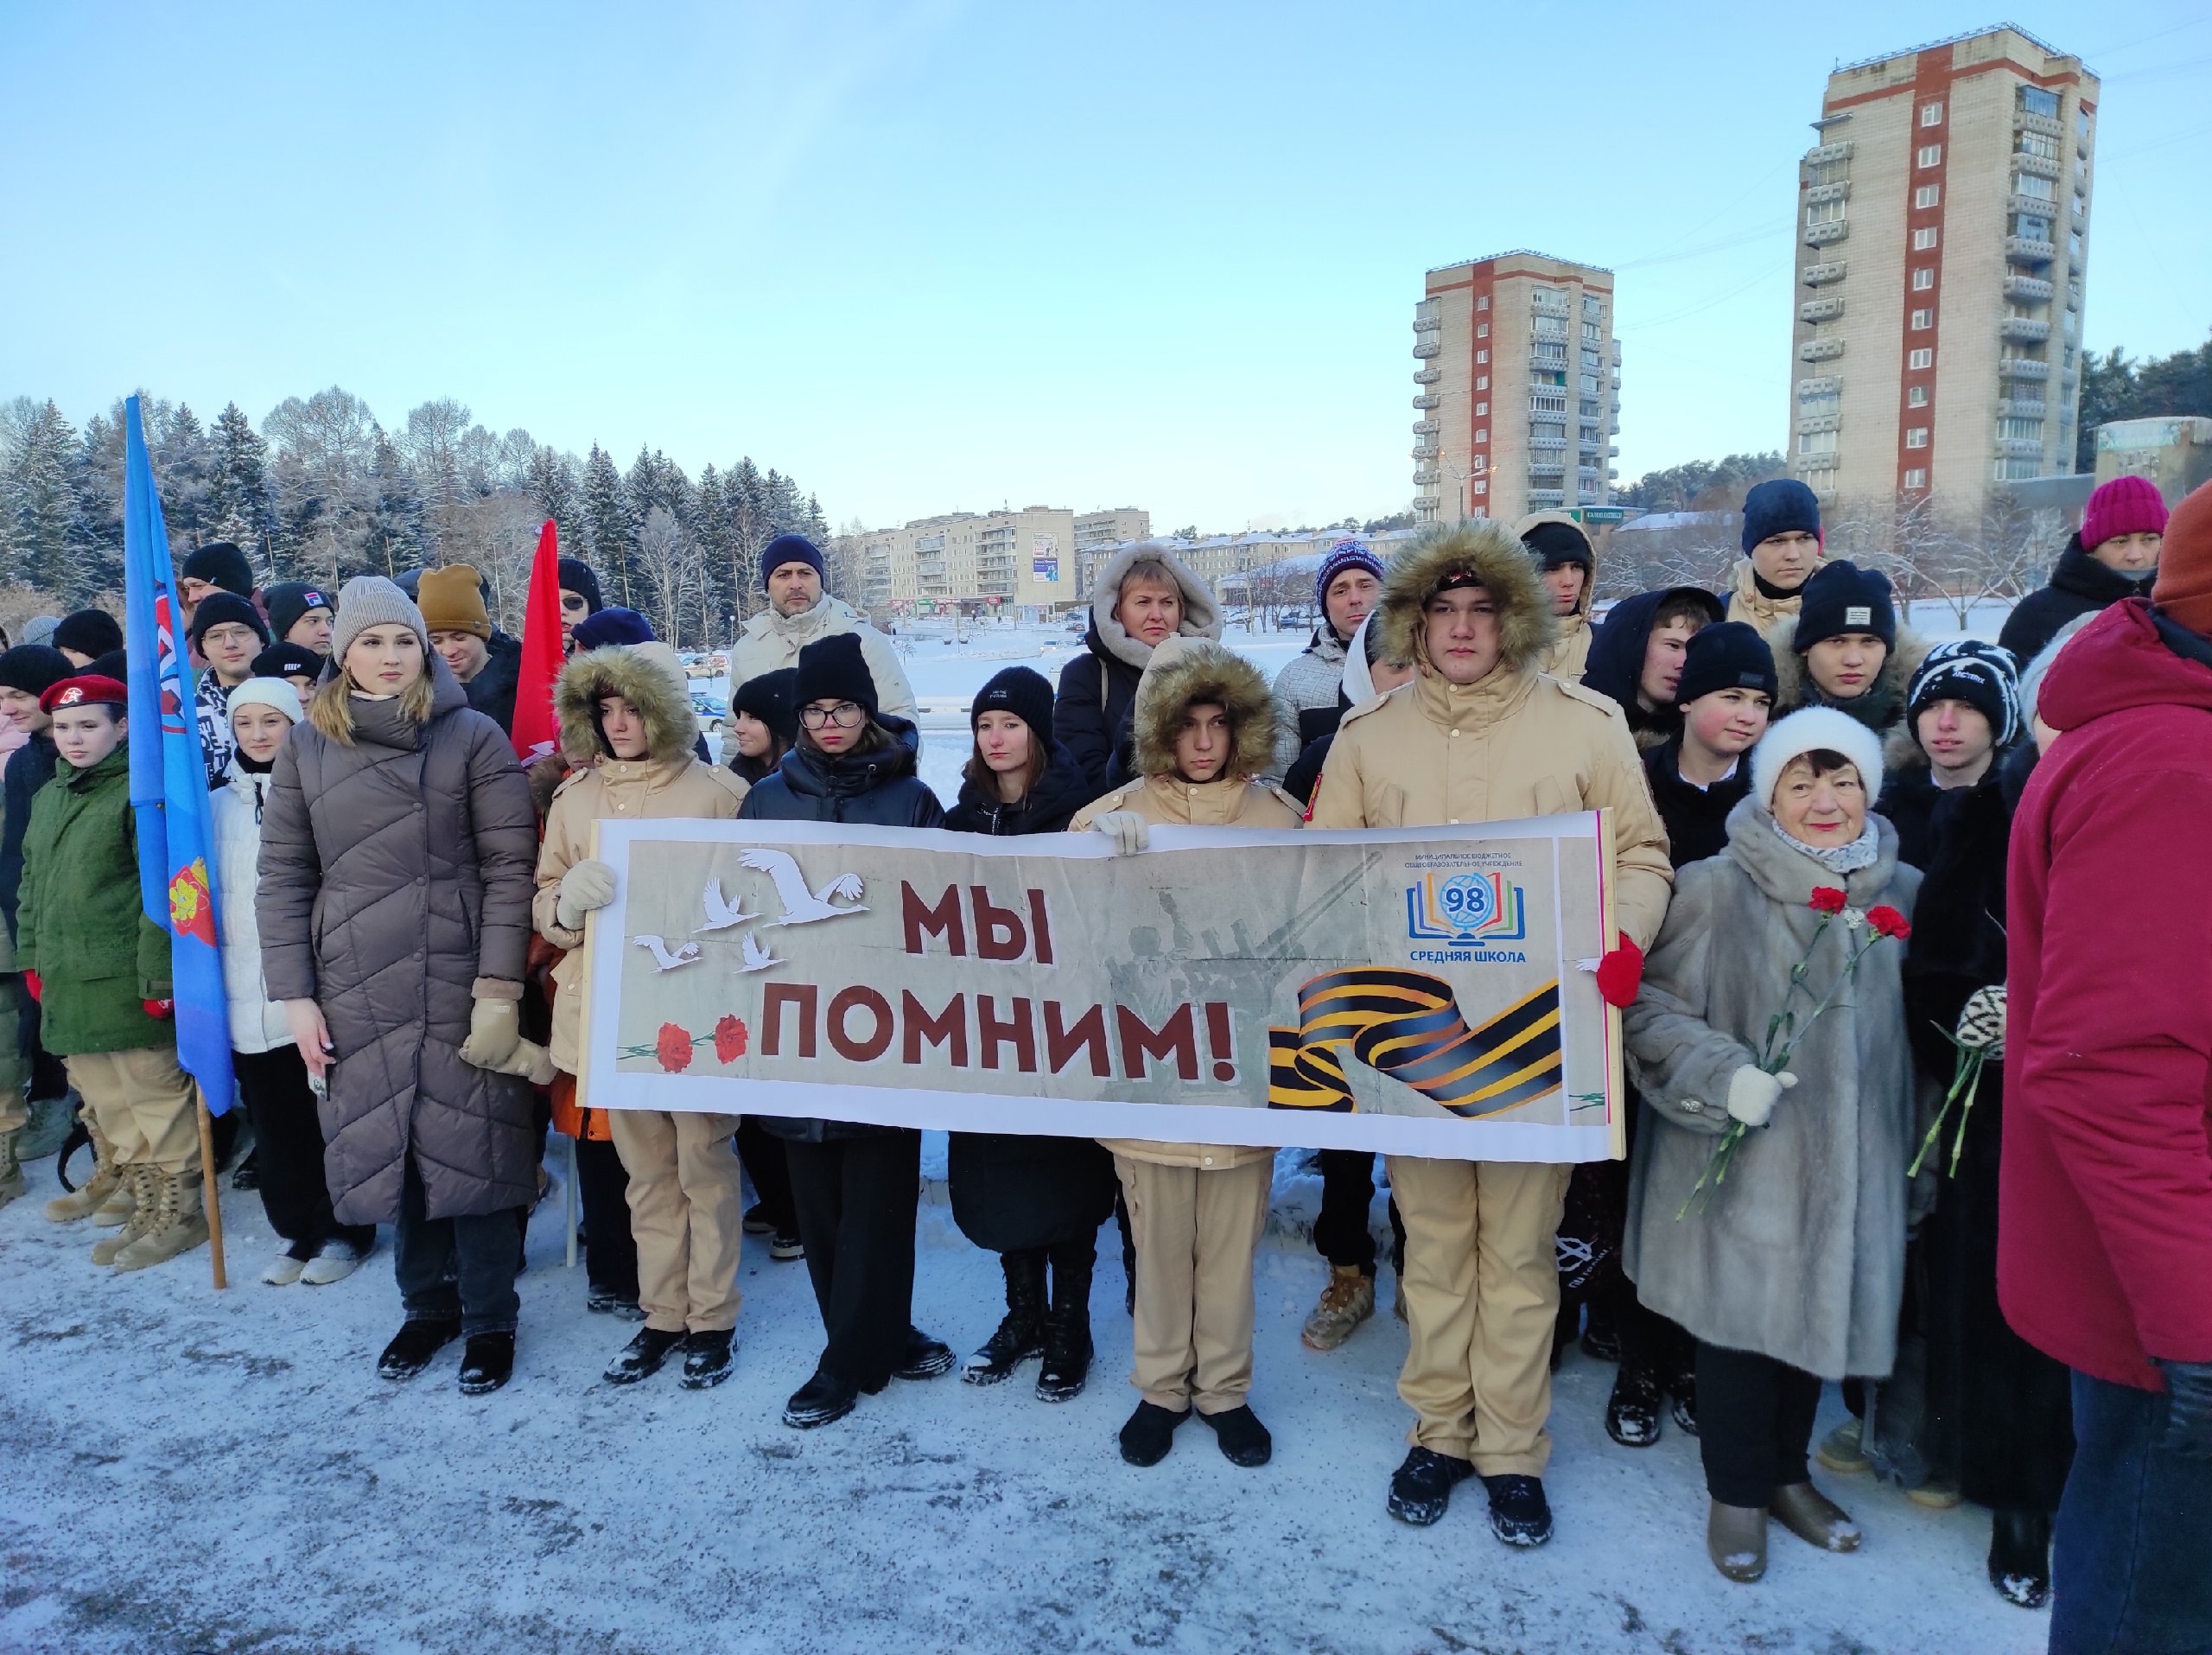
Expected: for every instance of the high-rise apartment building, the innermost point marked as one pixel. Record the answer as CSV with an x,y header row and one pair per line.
x,y
1943,222
1518,388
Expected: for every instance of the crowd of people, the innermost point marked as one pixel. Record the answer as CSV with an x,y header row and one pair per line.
x,y
1846,858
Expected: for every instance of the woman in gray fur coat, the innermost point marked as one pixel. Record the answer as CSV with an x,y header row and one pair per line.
x,y
1790,1271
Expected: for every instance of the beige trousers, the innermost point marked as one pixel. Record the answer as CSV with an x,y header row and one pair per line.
x,y
1482,1291
143,1104
686,1215
1196,1231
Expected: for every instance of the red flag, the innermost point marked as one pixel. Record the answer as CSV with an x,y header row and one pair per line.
x,y
535,732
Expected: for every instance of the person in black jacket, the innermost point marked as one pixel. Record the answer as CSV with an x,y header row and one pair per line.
x,y
1962,714
488,662
855,1187
1143,595
1366,677
763,723
27,672
1037,1202
2114,555
1636,657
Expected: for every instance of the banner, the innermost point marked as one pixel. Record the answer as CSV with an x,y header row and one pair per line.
x,y
1422,991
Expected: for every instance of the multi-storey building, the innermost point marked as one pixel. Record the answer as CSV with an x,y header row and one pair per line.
x,y
1943,222
1025,559
1517,388
1096,532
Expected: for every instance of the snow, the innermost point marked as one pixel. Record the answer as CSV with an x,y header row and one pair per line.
x,y
190,1470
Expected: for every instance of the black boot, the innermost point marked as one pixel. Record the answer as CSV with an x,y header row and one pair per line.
x,y
2019,1556
1021,1333
1519,1513
1683,1389
488,1362
1420,1488
1067,1326
643,1355
1148,1434
925,1358
707,1359
411,1348
1632,1411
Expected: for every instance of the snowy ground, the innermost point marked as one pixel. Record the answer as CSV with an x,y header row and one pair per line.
x,y
190,1471
193,1471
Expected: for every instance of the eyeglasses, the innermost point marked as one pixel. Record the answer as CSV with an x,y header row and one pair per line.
x,y
574,602
846,714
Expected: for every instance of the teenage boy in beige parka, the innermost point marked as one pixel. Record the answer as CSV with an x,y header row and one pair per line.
x,y
1482,735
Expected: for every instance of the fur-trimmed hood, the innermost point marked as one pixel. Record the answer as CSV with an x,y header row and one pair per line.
x,y
1184,671
1535,519
1881,706
644,675
1108,637
1494,555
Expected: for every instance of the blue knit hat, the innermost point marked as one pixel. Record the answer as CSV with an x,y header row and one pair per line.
x,y
790,548
1350,552
1727,655
1842,597
1783,506
612,627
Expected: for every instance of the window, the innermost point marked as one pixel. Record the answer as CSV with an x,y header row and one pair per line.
x,y
1482,356
1480,486
1482,382
1481,408
1923,239
1931,114
1921,359
1483,302
1482,436
2013,470
2081,124
2038,144
1916,437
2074,246
1482,330
1824,212
1923,279
1917,396
1589,386
1816,443
2035,189
1928,195
1931,155
1592,332
1590,409
2020,430
2035,101
1916,478
1828,172
1548,428
1544,325
1590,359
1591,308
1819,403
1922,320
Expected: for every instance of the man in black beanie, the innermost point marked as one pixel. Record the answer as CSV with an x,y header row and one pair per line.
x,y
579,597
227,631
1844,649
799,612
295,663
216,566
300,613
1569,569
1782,548
87,635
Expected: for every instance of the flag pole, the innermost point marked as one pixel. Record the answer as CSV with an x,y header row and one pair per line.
x,y
208,1183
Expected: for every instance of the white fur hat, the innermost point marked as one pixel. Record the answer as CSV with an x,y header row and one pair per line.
x,y
268,692
1816,730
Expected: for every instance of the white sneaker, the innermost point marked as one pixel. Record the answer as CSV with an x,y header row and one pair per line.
x,y
284,1269
334,1262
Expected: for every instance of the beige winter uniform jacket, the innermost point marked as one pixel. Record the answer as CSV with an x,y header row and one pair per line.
x,y
1747,603
1569,657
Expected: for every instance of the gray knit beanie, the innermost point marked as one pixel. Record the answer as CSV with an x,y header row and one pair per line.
x,y
371,601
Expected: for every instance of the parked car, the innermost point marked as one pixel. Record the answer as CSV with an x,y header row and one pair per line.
x,y
711,711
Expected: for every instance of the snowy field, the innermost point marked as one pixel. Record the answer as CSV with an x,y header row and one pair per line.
x,y
190,1471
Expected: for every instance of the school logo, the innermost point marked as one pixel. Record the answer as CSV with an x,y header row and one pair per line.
x,y
1465,908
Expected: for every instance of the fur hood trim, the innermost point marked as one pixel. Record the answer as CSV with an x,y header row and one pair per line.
x,y
1494,555
1184,671
1887,692
644,675
1201,613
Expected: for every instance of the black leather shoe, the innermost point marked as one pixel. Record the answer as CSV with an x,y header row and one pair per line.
x,y
1244,1440
1519,1513
488,1362
1149,1434
414,1345
642,1357
1420,1488
1632,1411
707,1359
924,1359
820,1400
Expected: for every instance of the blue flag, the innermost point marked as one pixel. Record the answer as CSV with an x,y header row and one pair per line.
x,y
168,781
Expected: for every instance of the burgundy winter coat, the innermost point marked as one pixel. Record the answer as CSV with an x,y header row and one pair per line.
x,y
396,875
2105,1225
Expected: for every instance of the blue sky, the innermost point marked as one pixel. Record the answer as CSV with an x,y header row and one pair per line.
x,y
929,255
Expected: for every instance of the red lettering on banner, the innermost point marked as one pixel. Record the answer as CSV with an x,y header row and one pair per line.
x,y
1221,1038
1018,1032
847,1001
999,932
1040,929
949,1029
943,921
802,998
1063,1041
1177,1038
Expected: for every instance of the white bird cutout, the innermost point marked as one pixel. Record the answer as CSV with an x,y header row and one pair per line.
x,y
801,905
687,955
757,958
720,915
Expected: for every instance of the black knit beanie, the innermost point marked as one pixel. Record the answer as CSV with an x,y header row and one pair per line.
x,y
833,668
577,576
1556,543
89,633
1023,692
1727,655
219,563
1842,597
220,608
33,668
768,698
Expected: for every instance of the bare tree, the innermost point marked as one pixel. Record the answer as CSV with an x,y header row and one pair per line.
x,y
665,559
497,537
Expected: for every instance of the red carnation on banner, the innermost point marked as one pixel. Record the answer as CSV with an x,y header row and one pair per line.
x,y
674,1049
1888,922
729,1040
1827,900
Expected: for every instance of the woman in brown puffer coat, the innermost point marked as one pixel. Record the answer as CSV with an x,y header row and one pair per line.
x,y
397,854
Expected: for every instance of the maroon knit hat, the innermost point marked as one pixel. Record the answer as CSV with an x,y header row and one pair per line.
x,y
2123,506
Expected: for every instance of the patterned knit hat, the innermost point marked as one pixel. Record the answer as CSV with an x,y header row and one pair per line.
x,y
1350,552
1968,669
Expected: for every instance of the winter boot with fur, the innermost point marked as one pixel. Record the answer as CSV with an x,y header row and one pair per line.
x,y
12,1170
141,1184
1345,1301
179,1224
1021,1332
91,1198
1067,1365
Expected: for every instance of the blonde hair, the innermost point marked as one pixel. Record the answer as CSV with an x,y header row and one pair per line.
x,y
332,710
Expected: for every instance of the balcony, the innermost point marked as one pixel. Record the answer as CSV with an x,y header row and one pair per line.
x,y
1428,376
1816,463
1428,347
2022,367
1820,350
1552,361
2036,167
1558,443
1424,502
2034,205
1825,235
1826,153
1428,399
1829,384
2023,122
1427,475
1425,428
1547,500
1820,423
1423,451
2073,296
2032,290
1427,324
1833,269
2020,407
2023,330
1838,192
2019,448
1819,310
2022,251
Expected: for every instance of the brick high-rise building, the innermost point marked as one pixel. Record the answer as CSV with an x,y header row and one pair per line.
x,y
1943,218
1519,388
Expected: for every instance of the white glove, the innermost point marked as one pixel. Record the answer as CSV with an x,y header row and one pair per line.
x,y
587,886
1981,1023
1752,1093
1128,831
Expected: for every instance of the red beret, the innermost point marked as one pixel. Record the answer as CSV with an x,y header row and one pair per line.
x,y
89,690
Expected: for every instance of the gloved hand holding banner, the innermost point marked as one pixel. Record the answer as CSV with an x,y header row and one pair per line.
x,y
1415,991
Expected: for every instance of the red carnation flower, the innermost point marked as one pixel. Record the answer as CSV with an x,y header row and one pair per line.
x,y
1888,922
729,1040
673,1048
1827,898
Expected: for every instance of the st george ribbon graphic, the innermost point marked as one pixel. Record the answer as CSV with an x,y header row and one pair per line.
x,y
1406,1025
